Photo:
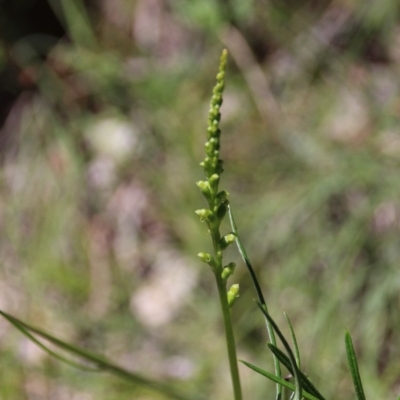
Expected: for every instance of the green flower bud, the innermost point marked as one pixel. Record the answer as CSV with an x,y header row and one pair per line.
x,y
233,294
205,257
207,166
214,115
205,189
214,143
205,215
212,130
214,180
227,240
208,259
228,270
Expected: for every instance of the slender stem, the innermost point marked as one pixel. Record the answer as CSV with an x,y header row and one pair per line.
x,y
230,338
213,216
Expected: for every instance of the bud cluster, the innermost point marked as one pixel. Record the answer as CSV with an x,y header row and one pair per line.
x,y
217,200
212,165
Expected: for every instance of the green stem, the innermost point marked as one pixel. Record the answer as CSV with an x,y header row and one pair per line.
x,y
230,339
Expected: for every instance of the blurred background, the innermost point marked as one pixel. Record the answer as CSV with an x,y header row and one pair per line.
x,y
103,113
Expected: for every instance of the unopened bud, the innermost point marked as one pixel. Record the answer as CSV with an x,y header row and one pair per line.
x,y
227,240
205,215
205,189
233,294
214,180
208,259
228,270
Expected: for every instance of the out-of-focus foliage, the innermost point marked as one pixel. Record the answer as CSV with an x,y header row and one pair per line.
x,y
104,111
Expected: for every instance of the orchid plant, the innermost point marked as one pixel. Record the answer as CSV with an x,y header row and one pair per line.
x,y
218,208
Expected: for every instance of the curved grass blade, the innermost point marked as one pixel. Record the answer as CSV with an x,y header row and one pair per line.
x,y
307,385
101,363
280,381
65,360
355,374
260,296
294,340
77,22
296,372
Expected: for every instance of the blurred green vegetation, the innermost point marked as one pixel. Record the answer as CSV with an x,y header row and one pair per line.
x,y
100,148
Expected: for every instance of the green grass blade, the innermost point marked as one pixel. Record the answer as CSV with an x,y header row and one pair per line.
x,y
292,359
59,357
352,360
294,340
101,363
260,296
78,23
280,381
283,358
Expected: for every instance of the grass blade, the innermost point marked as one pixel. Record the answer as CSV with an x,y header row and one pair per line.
x,y
100,363
352,360
260,296
294,340
292,359
307,385
78,23
59,357
280,381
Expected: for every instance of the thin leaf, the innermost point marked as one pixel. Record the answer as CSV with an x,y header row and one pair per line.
x,y
294,340
245,258
281,381
296,372
352,360
100,362
78,23
283,358
25,332
260,296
